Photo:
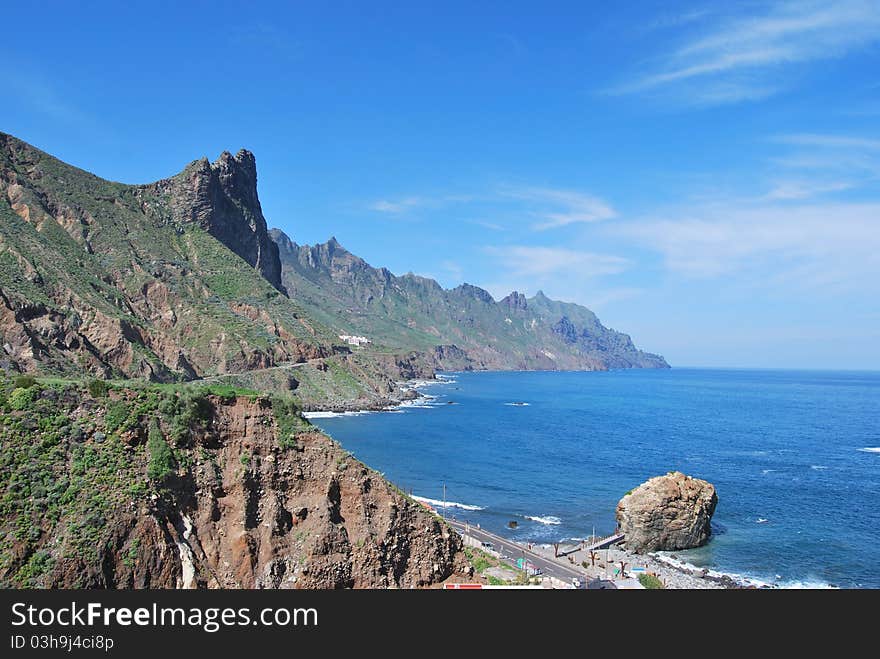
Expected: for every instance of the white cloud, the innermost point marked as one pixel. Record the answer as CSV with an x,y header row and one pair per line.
x,y
793,190
395,207
750,57
530,261
556,208
812,245
492,226
834,162
551,207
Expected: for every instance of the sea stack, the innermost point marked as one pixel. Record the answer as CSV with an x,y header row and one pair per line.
x,y
667,513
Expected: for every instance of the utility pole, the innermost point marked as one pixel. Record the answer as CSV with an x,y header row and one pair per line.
x,y
444,500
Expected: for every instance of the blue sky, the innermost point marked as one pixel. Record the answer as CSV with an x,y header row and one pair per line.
x,y
705,176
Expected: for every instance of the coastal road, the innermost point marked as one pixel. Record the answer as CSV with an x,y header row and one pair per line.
x,y
513,550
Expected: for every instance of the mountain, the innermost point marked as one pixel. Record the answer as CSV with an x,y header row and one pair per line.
x,y
171,280
461,328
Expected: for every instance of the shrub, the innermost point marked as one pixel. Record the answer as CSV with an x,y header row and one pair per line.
x,y
116,415
289,420
21,398
25,381
98,388
188,411
650,582
161,457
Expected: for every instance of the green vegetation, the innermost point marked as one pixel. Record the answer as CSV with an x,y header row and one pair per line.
x,y
161,457
289,421
55,469
24,381
479,559
22,398
98,388
71,460
128,247
650,582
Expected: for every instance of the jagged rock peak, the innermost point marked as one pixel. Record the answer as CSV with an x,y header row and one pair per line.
x,y
222,198
515,301
284,242
475,292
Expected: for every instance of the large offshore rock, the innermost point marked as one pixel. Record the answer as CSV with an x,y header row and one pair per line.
x,y
667,512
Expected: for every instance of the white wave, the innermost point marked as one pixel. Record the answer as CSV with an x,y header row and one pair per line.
x,y
767,471
447,504
331,415
743,580
549,519
801,584
871,449
518,404
761,520
818,467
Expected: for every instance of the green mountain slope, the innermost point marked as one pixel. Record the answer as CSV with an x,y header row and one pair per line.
x,y
459,328
137,280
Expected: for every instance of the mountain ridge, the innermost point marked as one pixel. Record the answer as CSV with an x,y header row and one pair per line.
x,y
119,280
410,312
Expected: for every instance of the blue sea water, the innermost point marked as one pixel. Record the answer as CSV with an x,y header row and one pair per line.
x,y
799,497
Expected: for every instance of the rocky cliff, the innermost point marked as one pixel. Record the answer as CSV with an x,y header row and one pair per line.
x,y
167,281
222,199
465,324
667,513
159,489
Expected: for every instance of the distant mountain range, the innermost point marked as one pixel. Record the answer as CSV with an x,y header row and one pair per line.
x,y
460,328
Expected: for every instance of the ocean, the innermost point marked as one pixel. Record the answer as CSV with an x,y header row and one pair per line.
x,y
794,455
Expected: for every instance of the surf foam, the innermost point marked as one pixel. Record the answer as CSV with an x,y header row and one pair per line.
x,y
447,504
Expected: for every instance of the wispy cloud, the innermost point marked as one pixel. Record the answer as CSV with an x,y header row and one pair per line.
x,y
791,190
492,226
396,206
556,208
831,141
532,261
545,207
40,95
812,245
841,159
677,20
749,57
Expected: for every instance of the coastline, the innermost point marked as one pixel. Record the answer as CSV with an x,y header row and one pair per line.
x,y
671,568
406,395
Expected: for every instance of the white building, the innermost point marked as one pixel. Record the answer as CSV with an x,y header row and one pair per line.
x,y
354,340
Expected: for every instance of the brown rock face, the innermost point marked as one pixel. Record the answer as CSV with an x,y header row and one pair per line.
x,y
239,511
222,198
667,513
